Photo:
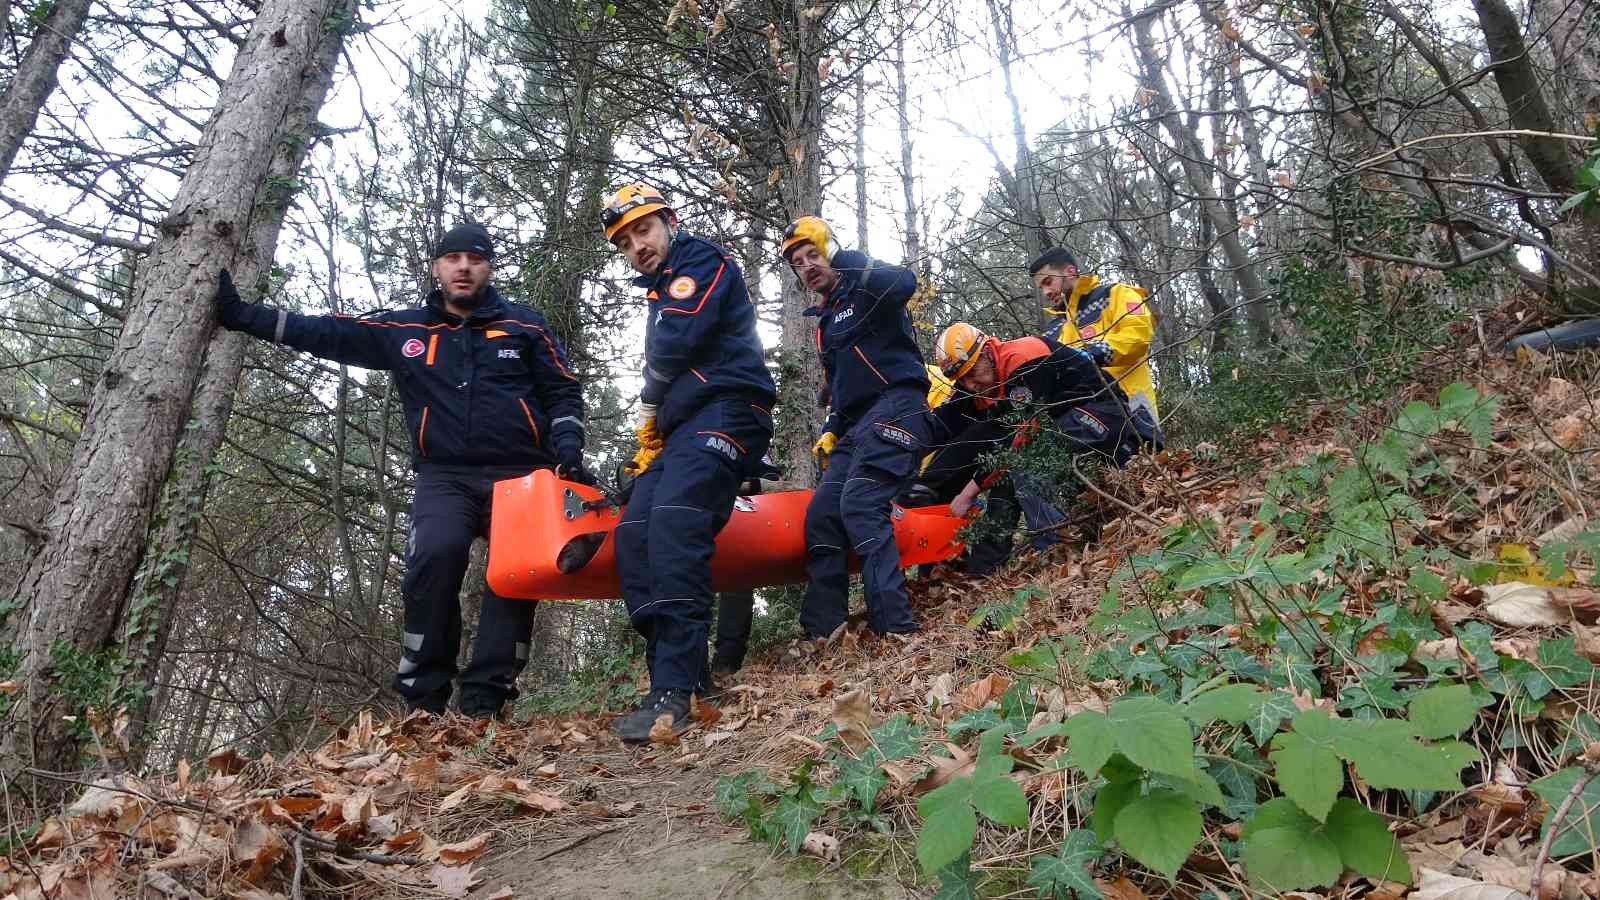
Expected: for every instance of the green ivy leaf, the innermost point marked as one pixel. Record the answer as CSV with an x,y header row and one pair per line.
x,y
1365,843
863,778
1264,721
1091,741
1153,734
794,815
1231,703
956,881
1580,827
1159,830
896,738
1285,849
1067,872
1308,772
1561,664
948,828
1444,710
1109,802
1426,583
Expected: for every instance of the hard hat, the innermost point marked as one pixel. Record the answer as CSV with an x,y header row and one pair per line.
x,y
808,230
630,202
957,349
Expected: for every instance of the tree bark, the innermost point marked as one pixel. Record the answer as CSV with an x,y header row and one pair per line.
x,y
35,78
799,372
908,179
75,589
1190,154
164,568
1519,86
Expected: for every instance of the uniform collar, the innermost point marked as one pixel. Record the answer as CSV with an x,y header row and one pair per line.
x,y
490,306
1086,283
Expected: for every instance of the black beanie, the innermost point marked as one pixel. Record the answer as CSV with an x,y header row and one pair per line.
x,y
468,237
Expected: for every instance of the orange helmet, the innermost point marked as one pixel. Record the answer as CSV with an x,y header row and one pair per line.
x,y
630,202
957,349
808,230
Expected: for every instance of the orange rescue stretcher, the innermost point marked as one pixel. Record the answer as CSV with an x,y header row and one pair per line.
x,y
551,540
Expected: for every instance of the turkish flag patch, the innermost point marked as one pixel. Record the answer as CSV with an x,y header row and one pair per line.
x,y
1088,331
681,288
412,349
1136,308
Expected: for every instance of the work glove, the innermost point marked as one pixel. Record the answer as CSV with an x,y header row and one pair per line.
x,y
569,463
226,298
823,447
641,460
645,429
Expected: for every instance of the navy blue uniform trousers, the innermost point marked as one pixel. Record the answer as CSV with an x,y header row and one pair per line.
x,y
849,513
449,510
669,530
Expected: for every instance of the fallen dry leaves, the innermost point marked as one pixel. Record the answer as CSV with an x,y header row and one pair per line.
x,y
367,805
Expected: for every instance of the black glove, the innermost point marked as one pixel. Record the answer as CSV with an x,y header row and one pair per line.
x,y
569,463
226,299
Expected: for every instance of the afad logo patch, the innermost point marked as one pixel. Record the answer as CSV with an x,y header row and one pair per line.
x,y
681,288
723,445
412,348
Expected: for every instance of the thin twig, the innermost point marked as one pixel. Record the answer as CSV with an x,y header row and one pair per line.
x,y
299,868
575,842
1556,827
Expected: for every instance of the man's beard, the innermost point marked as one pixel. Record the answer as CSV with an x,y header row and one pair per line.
x,y
469,300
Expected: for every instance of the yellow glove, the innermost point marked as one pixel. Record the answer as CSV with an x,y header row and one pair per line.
x,y
823,447
649,438
642,460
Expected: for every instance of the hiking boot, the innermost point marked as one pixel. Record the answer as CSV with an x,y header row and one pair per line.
x,y
434,705
724,668
475,707
634,728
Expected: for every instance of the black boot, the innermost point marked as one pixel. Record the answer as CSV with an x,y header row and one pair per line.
x,y
634,728
480,706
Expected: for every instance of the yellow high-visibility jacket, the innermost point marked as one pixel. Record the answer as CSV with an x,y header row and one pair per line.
x,y
939,390
1119,319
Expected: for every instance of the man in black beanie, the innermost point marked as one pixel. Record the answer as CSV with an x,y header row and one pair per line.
x,y
488,395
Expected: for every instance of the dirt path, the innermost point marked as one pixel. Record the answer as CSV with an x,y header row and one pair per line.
x,y
669,845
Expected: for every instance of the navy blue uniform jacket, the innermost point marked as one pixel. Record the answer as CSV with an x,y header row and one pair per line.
x,y
700,341
864,336
490,389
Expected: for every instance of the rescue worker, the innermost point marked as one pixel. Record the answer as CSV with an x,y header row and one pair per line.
x,y
1113,323
1059,388
488,395
704,423
875,433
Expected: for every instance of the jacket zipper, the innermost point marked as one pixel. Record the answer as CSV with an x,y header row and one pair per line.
x,y
422,433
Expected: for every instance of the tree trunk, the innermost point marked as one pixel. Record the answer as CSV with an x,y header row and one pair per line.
x,y
908,179
1024,181
799,372
75,588
165,566
1190,153
35,77
1519,86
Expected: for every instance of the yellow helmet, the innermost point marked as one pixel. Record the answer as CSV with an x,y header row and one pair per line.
x,y
957,349
630,202
808,230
